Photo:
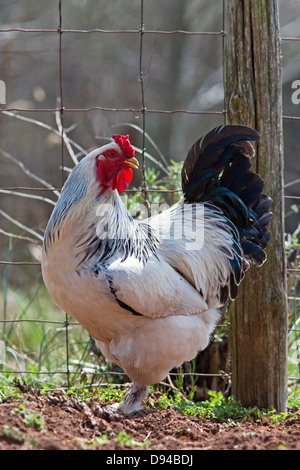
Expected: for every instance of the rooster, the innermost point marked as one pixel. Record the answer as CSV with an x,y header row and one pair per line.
x,y
149,292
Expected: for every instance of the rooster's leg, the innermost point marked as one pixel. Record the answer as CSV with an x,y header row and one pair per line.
x,y
133,399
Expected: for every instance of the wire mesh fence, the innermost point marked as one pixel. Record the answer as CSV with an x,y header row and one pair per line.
x,y
39,342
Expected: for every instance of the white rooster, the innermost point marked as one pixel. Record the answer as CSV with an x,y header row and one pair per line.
x,y
149,291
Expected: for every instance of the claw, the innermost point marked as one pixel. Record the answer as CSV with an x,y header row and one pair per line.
x,y
108,413
133,399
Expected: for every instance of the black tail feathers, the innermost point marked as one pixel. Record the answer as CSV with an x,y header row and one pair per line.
x,y
217,170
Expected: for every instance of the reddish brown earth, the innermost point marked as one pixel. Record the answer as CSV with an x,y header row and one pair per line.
x,y
69,424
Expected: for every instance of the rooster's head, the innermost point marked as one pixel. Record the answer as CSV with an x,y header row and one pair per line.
x,y
114,164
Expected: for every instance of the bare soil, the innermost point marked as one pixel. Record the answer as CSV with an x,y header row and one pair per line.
x,y
69,424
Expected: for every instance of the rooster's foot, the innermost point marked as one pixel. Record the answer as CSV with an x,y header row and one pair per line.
x,y
133,399
132,403
108,413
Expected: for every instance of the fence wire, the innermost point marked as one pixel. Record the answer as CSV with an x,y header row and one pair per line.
x,y
62,110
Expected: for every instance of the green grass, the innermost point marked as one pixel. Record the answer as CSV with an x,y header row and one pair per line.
x,y
122,438
100,393
126,440
14,434
30,419
225,410
217,408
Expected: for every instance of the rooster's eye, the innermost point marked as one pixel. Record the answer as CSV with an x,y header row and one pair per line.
x,y
111,153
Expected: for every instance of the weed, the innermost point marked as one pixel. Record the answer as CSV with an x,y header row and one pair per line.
x,y
126,440
97,441
220,409
30,418
13,434
111,393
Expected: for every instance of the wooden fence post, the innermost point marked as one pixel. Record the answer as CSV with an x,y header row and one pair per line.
x,y
252,77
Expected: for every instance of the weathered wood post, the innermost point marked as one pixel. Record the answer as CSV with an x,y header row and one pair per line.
x,y
252,79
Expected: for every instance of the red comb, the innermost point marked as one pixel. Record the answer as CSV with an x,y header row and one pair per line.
x,y
124,144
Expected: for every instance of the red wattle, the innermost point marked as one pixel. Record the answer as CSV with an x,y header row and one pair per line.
x,y
124,180
111,177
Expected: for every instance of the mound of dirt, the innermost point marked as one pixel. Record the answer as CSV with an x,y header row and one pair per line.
x,y
59,422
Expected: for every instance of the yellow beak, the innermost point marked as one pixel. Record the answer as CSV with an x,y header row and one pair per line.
x,y
132,162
